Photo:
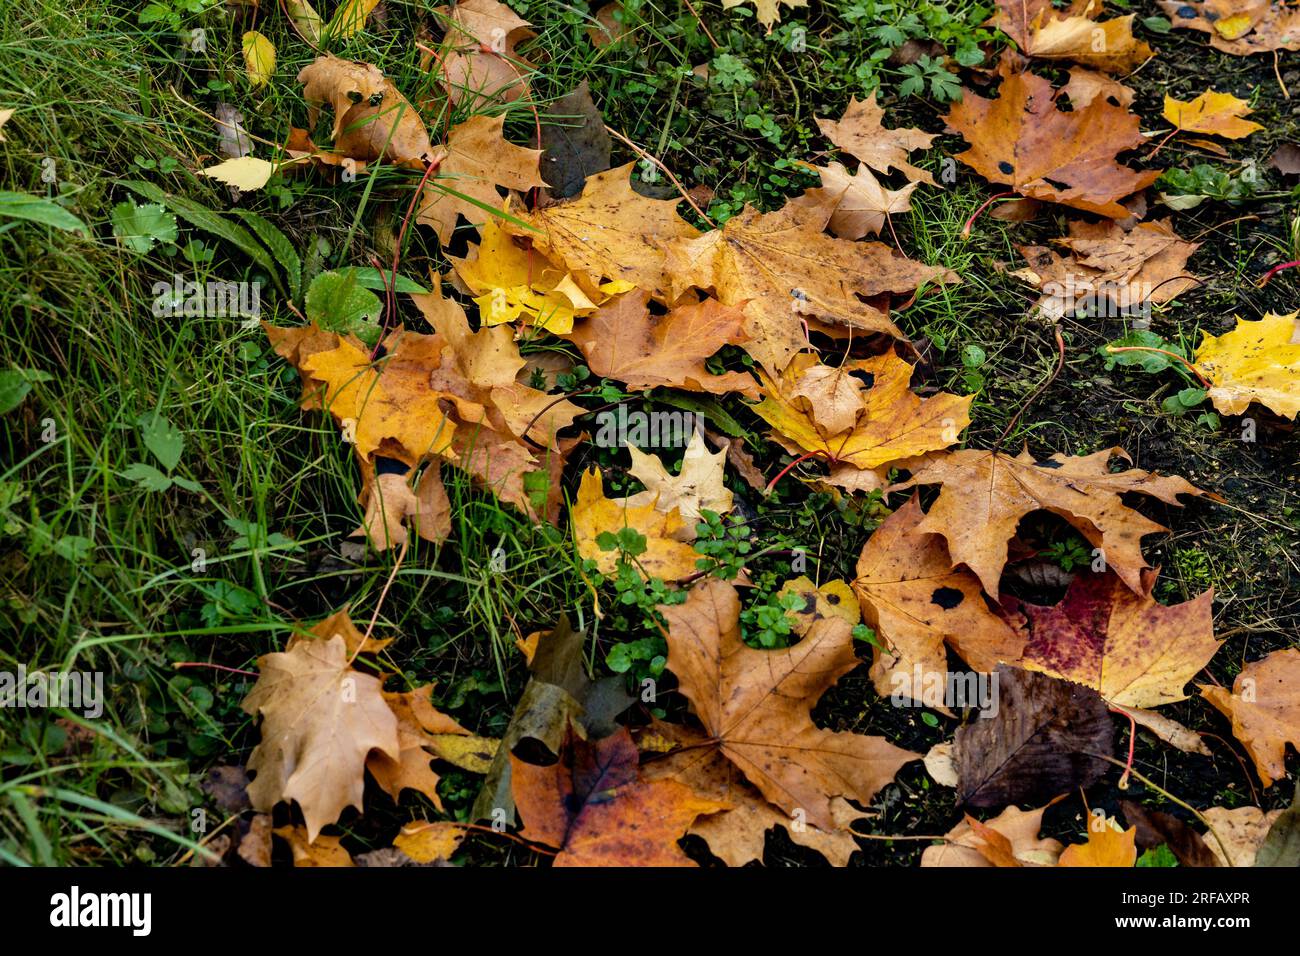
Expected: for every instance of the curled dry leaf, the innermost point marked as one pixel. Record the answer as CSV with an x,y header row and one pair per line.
x,y
756,705
480,66
1022,140
965,847
697,487
1264,708
594,807
1043,32
985,494
391,502
372,120
1106,264
1132,650
320,721
1255,362
830,412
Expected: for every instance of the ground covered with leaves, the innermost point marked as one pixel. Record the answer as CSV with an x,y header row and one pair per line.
x,y
653,433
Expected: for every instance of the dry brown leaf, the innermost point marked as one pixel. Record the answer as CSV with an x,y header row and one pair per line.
x,y
756,705
862,133
391,502
861,203
419,729
985,494
1043,32
698,486
318,851
623,341
480,67
783,269
1264,708
474,162
1018,827
320,720
1242,831
1022,140
919,604
371,118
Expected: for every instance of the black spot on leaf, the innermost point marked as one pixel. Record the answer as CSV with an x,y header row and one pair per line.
x,y
946,598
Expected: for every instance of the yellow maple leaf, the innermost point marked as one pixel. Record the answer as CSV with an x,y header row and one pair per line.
x,y
593,514
1214,114
830,413
1255,362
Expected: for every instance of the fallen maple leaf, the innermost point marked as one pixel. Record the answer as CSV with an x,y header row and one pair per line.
x,y
422,733
320,721
781,267
481,67
390,502
1255,362
314,851
739,835
1107,265
593,806
426,842
609,231
862,133
624,341
829,412
1043,32
1236,835
1022,140
371,118
1086,85
1239,27
919,604
1264,708
756,705
1132,650
1107,845
665,556
965,846
861,203
1216,114
697,487
1042,739
985,494
474,162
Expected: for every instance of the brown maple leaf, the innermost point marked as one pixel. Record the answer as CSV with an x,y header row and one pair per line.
x,y
861,133
783,269
479,65
1121,271
609,230
1022,140
738,835
391,502
593,806
985,494
919,604
1132,650
756,705
474,162
320,721
967,846
861,203
624,341
1043,32
1264,708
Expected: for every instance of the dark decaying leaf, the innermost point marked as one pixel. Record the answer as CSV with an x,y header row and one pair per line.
x,y
1282,845
1155,828
1037,745
575,142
